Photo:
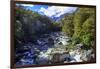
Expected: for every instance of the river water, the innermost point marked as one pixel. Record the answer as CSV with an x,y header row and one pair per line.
x,y
47,49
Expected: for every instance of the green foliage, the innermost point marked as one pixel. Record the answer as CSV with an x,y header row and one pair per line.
x,y
84,26
88,30
67,25
29,24
18,30
80,26
56,26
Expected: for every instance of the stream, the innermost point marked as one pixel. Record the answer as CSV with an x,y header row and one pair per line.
x,y
48,49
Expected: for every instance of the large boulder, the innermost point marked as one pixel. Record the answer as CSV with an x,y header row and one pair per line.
x,y
82,55
61,57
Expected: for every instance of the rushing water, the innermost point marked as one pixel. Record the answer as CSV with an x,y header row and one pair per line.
x,y
48,49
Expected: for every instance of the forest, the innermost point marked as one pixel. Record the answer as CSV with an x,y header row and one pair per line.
x,y
42,40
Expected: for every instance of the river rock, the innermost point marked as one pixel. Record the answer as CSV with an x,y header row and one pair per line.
x,y
47,49
43,58
60,58
87,55
26,61
80,46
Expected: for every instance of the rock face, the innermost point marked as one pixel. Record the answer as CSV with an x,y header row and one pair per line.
x,y
28,26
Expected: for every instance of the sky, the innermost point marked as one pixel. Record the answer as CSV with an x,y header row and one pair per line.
x,y
50,11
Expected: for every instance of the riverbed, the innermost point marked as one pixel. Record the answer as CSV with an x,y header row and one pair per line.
x,y
50,48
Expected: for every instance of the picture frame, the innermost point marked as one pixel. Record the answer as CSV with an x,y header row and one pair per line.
x,y
54,62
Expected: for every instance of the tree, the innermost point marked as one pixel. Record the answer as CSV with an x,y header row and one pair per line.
x,y
67,24
84,26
